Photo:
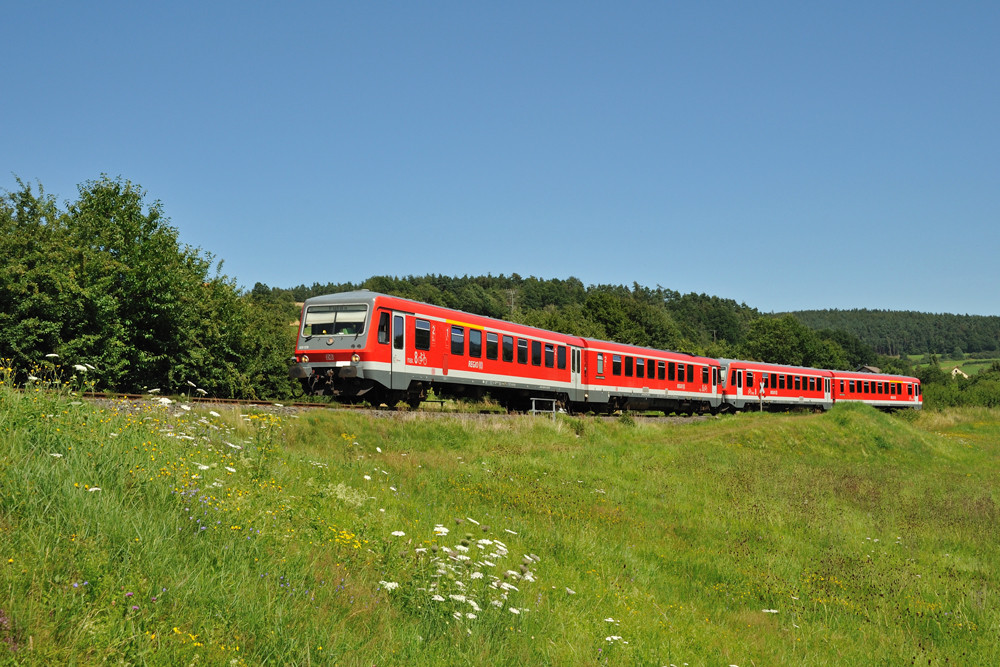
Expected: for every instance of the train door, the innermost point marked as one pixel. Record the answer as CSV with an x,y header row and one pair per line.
x,y
576,370
397,367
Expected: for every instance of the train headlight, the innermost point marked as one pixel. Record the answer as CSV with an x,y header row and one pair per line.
x,y
305,358
355,358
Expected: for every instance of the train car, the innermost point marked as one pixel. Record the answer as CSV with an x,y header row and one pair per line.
x,y
367,346
627,377
757,385
383,349
880,390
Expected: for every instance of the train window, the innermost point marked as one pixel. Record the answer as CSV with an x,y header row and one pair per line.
x,y
680,372
475,343
339,320
550,355
457,340
491,345
850,385
841,386
704,374
561,358
672,370
749,379
383,328
616,364
739,378
909,389
661,370
522,351
536,353
628,367
690,372
640,368
600,363
732,378
397,332
422,334
508,348
812,384
781,382
798,383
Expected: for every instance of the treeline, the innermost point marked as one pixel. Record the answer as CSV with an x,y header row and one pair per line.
x,y
103,290
906,332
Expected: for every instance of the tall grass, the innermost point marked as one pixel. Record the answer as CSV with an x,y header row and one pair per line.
x,y
219,538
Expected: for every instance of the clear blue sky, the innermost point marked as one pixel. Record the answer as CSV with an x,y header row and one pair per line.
x,y
790,155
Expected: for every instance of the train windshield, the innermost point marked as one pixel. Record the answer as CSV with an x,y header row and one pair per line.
x,y
335,320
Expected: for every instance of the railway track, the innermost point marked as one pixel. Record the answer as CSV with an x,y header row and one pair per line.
x,y
295,406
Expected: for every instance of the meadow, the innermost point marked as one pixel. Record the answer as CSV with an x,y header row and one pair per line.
x,y
163,533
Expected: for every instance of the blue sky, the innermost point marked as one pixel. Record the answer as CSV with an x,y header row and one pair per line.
x,y
788,155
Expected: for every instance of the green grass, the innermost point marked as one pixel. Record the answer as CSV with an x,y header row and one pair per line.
x,y
969,366
851,537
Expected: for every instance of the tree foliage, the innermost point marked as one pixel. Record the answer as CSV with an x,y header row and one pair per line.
x,y
904,332
106,282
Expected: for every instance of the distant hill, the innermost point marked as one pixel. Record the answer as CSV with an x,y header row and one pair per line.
x,y
894,332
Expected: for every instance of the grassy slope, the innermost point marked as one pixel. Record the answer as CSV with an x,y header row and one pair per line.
x,y
873,538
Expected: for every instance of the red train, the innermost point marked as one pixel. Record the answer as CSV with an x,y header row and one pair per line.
x,y
367,346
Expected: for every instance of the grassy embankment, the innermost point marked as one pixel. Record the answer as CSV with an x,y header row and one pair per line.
x,y
852,537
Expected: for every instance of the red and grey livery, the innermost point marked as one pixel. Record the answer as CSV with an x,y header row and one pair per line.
x,y
367,346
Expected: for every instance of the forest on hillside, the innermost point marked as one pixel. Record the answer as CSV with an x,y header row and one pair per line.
x,y
905,332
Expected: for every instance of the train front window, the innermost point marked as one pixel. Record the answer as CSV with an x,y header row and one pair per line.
x,y
346,320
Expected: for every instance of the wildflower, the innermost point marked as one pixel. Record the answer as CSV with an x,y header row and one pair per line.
x,y
230,469
610,620
472,520
201,391
570,591
612,638
135,607
33,378
191,384
510,531
389,585
368,477
392,488
477,575
770,611
80,367
398,533
154,391
440,530
514,610
90,367
94,488
52,355
378,449
56,454
470,616
437,598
